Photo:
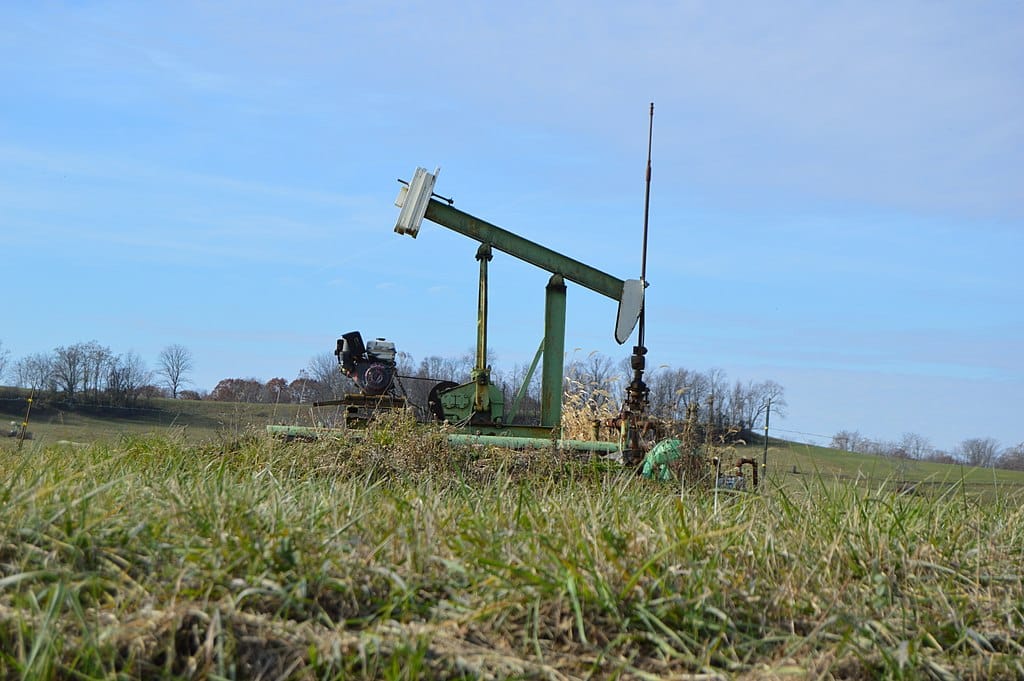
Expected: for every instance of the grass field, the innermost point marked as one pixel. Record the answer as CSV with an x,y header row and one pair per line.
x,y
399,556
194,420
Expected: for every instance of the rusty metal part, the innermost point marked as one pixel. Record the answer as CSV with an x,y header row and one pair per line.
x,y
753,467
360,409
434,405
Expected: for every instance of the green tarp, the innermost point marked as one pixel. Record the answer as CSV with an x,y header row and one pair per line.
x,y
656,463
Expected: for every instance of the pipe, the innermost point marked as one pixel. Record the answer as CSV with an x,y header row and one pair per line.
x,y
512,442
508,441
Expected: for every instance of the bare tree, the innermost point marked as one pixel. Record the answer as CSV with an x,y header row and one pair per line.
x,y
97,360
761,395
128,373
692,387
404,364
736,403
34,372
4,355
846,440
174,363
718,390
879,447
69,369
939,456
978,451
1012,458
440,369
667,390
511,383
593,378
747,405
914,446
329,382
466,362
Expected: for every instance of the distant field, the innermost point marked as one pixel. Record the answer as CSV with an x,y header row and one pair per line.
x,y
195,420
865,471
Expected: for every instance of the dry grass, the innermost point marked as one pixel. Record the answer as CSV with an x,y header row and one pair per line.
x,y
583,405
399,557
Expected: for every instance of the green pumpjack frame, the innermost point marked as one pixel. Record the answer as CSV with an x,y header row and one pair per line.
x,y
478,406
487,413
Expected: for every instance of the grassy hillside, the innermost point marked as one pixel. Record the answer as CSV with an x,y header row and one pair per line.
x,y
866,471
194,420
399,556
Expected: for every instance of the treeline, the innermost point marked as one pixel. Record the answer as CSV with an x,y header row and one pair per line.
x,y
596,379
677,393
93,374
89,373
982,452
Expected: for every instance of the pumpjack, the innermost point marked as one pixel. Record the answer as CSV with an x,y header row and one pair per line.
x,y
478,404
477,407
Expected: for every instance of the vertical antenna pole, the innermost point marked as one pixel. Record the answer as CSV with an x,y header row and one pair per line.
x,y
767,417
647,211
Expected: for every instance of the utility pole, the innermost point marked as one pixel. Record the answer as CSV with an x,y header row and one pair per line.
x,y
24,424
764,458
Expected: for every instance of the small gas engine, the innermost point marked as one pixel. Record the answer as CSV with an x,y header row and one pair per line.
x,y
370,365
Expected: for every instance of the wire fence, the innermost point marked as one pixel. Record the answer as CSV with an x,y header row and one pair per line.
x,y
826,438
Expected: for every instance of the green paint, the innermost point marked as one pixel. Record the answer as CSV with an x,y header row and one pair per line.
x,y
554,352
473,403
484,406
524,249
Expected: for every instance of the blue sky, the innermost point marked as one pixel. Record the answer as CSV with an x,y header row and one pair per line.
x,y
837,199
